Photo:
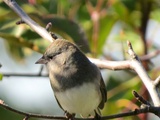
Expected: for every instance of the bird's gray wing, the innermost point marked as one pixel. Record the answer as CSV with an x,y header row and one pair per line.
x,y
103,93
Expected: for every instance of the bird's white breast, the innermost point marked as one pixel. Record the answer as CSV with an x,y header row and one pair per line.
x,y
82,99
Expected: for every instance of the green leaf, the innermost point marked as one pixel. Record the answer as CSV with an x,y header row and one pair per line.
x,y
119,89
106,25
1,76
16,46
68,29
156,15
130,4
18,41
121,11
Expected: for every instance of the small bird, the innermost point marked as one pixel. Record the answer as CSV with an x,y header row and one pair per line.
x,y
77,83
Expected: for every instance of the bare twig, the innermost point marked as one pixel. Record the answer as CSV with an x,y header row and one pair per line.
x,y
146,105
141,99
40,30
112,65
41,69
48,26
154,110
23,75
134,64
150,55
137,66
29,114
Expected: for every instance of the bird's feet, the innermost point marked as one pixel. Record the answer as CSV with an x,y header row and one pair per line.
x,y
97,116
69,116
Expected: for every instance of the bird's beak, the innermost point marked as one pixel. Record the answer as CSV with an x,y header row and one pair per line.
x,y
42,60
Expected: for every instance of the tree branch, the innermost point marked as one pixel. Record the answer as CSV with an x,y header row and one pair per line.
x,y
23,75
29,114
150,55
147,108
137,66
112,65
26,75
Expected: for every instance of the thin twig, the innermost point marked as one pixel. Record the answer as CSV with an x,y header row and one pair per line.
x,y
29,114
140,98
48,26
23,75
41,69
150,55
154,110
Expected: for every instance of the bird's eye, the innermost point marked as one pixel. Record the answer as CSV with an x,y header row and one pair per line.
x,y
50,57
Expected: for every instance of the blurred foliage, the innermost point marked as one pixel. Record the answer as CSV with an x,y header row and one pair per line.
x,y
1,76
88,23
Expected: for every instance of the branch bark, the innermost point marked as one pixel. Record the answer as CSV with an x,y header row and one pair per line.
x,y
151,109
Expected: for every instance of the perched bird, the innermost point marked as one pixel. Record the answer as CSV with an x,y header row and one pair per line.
x,y
77,83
